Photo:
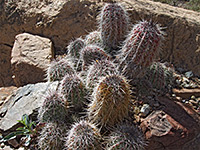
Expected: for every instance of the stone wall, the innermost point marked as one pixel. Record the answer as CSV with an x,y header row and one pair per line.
x,y
63,20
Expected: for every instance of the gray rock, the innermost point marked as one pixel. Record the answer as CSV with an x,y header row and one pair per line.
x,y
189,74
145,110
26,100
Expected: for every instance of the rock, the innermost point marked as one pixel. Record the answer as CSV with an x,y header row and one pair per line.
x,y
26,100
5,69
5,92
145,110
7,148
62,20
189,74
187,93
14,143
172,127
31,56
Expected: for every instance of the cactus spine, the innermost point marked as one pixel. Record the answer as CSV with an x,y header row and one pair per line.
x,y
92,53
113,26
51,137
110,102
140,49
127,137
94,38
84,136
99,69
75,47
160,76
73,90
74,50
54,109
58,69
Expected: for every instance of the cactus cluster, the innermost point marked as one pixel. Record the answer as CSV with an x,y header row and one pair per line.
x,y
84,136
113,24
94,38
58,69
99,69
92,53
160,76
75,47
54,109
100,90
111,100
140,49
52,137
126,136
73,90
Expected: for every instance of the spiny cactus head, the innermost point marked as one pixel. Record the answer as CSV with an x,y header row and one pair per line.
x,y
143,43
94,38
59,68
51,137
92,53
110,103
73,90
54,108
113,25
140,49
126,136
160,76
99,69
83,135
75,47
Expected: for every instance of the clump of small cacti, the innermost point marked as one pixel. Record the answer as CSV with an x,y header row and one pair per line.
x,y
92,53
140,49
58,69
52,137
74,50
84,136
160,76
99,69
75,47
110,103
54,109
94,38
113,25
73,90
126,136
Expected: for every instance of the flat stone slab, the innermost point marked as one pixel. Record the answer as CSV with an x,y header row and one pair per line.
x,y
26,100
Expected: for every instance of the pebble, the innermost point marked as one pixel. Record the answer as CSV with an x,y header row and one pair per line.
x,y
145,110
185,80
178,98
189,74
156,104
2,145
193,102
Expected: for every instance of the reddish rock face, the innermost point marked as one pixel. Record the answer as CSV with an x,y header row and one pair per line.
x,y
30,58
171,128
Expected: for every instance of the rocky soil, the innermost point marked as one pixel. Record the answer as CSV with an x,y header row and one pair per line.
x,y
32,33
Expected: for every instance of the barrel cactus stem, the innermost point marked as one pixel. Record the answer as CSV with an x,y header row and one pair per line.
x,y
114,25
110,103
140,49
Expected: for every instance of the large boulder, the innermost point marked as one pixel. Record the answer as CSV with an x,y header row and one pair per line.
x,y
63,20
26,100
175,127
31,56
